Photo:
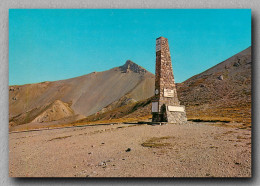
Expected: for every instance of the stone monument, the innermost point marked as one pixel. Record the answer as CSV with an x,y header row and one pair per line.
x,y
166,106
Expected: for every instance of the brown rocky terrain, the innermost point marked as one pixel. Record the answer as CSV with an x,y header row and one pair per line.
x,y
84,95
129,150
110,142
45,113
221,93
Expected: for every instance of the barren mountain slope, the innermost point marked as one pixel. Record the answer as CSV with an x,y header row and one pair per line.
x,y
46,113
85,94
222,92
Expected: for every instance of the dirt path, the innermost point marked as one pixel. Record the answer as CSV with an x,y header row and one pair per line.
x,y
121,150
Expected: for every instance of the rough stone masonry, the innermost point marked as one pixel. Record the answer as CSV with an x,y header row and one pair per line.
x,y
166,106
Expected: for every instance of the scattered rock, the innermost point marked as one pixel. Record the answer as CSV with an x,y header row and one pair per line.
x,y
236,64
220,77
103,163
128,150
129,101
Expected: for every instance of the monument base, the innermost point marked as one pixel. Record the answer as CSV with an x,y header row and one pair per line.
x,y
171,115
157,117
176,117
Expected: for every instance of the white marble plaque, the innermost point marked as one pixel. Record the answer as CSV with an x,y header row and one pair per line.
x,y
154,106
158,45
175,109
168,93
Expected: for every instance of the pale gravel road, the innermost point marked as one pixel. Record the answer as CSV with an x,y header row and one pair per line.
x,y
191,150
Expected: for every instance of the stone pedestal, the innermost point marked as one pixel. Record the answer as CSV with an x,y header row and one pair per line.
x,y
166,106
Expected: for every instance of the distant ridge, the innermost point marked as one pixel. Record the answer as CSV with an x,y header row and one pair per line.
x,y
85,94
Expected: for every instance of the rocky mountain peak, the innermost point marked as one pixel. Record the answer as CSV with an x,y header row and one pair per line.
x,y
131,66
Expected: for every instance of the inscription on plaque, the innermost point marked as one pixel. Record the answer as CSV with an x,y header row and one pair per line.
x,y
175,109
154,106
158,45
168,93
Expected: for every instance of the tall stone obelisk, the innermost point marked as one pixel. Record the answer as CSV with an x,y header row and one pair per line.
x,y
166,106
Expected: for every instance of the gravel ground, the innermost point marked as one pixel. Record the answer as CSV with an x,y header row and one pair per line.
x,y
129,150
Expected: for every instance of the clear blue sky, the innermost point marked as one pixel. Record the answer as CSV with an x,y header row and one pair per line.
x,y
48,45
